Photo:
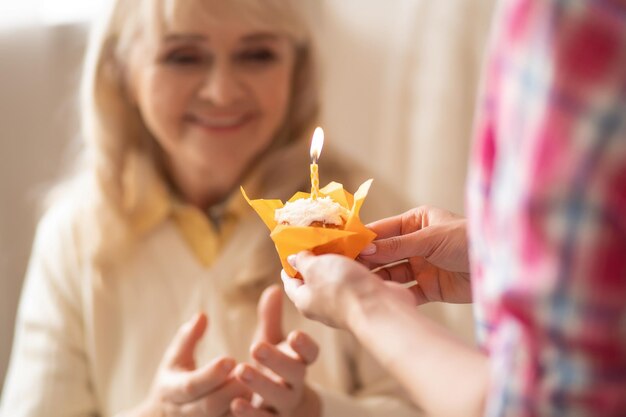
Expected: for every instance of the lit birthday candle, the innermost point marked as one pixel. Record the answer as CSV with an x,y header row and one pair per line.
x,y
316,149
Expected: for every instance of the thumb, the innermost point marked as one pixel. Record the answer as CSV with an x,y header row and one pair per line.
x,y
270,315
180,352
419,243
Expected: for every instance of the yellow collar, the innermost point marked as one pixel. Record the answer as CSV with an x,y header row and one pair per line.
x,y
206,237
148,202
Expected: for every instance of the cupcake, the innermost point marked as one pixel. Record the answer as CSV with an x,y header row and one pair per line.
x,y
329,223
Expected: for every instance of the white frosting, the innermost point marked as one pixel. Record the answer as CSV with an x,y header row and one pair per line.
x,y
304,211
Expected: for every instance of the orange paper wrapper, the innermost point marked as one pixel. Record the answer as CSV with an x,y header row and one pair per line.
x,y
290,240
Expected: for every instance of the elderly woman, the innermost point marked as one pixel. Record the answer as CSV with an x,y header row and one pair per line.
x,y
183,101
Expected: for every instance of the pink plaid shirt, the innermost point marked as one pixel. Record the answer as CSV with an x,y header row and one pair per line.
x,y
547,209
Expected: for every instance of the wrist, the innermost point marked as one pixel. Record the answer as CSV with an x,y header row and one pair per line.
x,y
361,303
310,406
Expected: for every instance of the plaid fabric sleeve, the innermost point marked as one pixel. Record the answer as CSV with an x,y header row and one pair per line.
x,y
547,200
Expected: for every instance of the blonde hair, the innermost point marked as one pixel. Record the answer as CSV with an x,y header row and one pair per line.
x,y
112,128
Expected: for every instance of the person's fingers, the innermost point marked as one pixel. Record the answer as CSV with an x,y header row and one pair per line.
x,y
290,284
184,387
401,274
310,265
411,220
443,243
442,285
217,403
419,243
298,293
274,393
388,227
243,408
270,315
180,352
419,294
304,346
304,263
289,367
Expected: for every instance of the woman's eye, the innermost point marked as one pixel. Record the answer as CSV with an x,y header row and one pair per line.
x,y
258,56
184,58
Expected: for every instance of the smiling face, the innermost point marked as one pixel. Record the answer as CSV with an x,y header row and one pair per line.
x,y
213,94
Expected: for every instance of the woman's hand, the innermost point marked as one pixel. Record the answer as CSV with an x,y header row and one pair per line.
x,y
434,241
180,389
277,378
335,287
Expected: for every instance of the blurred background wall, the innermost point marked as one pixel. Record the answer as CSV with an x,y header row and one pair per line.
x,y
400,81
400,89
39,69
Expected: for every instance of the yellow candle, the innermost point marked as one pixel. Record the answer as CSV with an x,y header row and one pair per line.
x,y
317,142
315,181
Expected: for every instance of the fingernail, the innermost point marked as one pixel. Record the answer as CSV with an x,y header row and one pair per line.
x,y
370,249
297,340
246,375
239,406
228,365
261,352
191,323
291,260
195,318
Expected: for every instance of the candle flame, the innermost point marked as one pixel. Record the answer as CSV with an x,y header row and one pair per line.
x,y
317,143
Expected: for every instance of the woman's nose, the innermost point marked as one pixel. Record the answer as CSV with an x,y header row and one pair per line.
x,y
221,86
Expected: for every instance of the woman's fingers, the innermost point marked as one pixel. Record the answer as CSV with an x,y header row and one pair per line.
x,y
291,285
290,368
189,386
244,408
304,345
395,248
438,235
401,274
180,381
388,227
304,263
435,284
299,293
183,390
181,349
330,283
270,315
217,403
274,393
285,369
445,246
288,361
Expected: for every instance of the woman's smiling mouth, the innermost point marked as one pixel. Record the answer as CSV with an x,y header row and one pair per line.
x,y
220,123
